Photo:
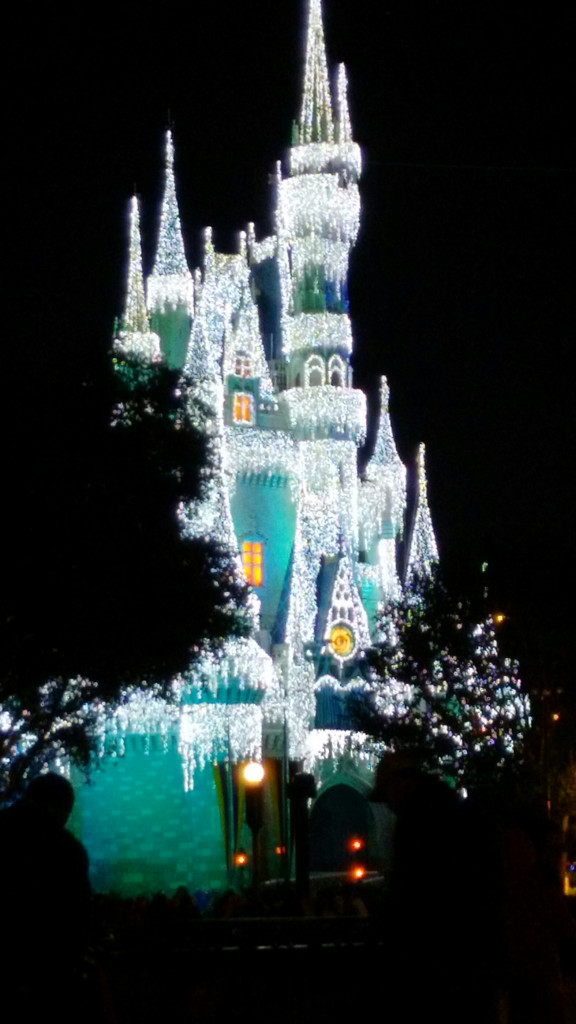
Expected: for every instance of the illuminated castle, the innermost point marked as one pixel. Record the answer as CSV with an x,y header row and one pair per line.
x,y
265,339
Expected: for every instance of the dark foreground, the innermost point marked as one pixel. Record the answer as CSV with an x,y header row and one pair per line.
x,y
290,970
274,970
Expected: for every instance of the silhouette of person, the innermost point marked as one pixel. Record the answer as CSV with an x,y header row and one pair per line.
x,y
437,905
44,895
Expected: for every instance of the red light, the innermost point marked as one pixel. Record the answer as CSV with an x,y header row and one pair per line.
x,y
357,872
355,843
279,850
240,859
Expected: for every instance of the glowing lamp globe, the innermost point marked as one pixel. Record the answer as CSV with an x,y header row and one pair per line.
x,y
253,772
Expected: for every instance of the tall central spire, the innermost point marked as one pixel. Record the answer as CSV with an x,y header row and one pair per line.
x,y
170,256
316,124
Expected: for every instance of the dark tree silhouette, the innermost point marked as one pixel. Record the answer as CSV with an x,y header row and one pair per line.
x,y
102,591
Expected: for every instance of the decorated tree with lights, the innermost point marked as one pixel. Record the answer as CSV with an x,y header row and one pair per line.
x,y
463,712
122,598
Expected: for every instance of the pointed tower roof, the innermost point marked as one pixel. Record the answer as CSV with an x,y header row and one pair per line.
x,y
170,254
343,122
135,335
316,124
135,316
170,281
385,452
423,548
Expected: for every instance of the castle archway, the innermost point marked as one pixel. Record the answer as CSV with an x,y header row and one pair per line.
x,y
339,814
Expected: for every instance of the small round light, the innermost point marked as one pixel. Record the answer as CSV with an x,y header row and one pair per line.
x,y
253,772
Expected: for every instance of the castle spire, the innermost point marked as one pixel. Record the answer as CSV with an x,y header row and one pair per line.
x,y
170,255
343,123
423,549
385,452
316,124
135,336
135,316
170,286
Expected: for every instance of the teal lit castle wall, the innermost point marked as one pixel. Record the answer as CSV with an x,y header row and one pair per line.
x,y
264,340
144,833
266,511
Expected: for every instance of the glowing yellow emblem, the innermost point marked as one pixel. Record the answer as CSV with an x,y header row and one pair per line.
x,y
342,641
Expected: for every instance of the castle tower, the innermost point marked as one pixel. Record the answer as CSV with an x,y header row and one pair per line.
x,y
170,288
423,551
134,336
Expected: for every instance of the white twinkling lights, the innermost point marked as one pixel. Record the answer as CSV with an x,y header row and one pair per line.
x,y
316,205
211,731
316,123
326,411
134,336
327,331
346,606
170,284
423,548
304,438
343,124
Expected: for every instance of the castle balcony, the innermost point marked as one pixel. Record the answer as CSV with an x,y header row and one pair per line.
x,y
341,158
317,205
327,331
325,411
243,675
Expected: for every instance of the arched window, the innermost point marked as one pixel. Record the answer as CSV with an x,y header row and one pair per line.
x,y
242,365
337,372
252,561
243,408
314,372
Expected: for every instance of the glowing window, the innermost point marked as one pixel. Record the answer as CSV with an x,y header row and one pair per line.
x,y
252,562
243,408
242,365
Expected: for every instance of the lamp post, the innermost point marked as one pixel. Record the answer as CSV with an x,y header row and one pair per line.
x,y
253,774
301,790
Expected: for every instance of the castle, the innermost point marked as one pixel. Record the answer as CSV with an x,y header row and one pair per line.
x,y
264,338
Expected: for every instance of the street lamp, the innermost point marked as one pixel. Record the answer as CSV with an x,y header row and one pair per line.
x,y
253,774
301,790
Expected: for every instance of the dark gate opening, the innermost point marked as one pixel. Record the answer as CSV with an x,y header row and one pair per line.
x,y
338,816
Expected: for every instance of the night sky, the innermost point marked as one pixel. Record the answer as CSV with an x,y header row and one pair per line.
x,y
462,282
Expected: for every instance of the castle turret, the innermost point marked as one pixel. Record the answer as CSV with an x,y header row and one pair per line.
x,y
134,336
317,220
423,552
316,124
170,286
382,502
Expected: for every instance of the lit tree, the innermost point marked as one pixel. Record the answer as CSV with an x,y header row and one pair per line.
x,y
459,705
109,594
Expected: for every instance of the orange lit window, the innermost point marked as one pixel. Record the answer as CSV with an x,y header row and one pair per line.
x,y
243,408
252,562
